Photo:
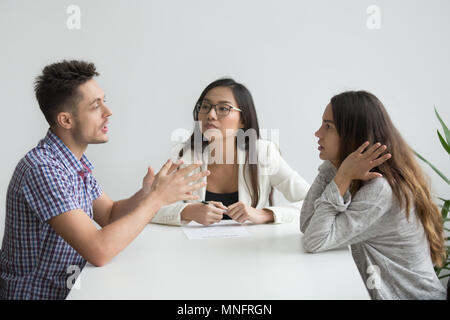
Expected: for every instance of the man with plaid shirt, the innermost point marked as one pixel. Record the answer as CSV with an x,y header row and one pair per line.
x,y
53,196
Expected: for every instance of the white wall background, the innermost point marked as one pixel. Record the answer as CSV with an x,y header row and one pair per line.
x,y
155,58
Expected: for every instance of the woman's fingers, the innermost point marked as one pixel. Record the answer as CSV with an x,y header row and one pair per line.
x,y
374,152
234,205
216,217
234,208
240,217
212,217
362,147
215,210
380,160
378,152
358,164
236,214
219,205
369,152
373,175
232,211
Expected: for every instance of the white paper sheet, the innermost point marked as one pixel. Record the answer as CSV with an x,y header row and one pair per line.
x,y
222,229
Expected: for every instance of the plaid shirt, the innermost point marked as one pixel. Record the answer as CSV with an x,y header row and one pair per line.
x,y
34,259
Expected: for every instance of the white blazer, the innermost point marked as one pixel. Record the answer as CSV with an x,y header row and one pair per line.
x,y
273,171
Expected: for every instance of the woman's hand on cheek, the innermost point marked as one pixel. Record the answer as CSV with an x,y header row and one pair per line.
x,y
358,164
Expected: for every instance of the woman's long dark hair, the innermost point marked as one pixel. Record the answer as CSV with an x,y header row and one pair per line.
x,y
249,118
359,116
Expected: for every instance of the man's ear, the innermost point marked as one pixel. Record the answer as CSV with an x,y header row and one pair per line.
x,y
65,120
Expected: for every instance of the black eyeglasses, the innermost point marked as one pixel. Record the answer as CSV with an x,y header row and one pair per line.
x,y
222,109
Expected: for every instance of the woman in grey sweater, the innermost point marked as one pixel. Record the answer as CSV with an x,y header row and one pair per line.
x,y
378,203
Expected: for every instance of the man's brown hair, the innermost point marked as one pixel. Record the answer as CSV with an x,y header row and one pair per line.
x,y
57,88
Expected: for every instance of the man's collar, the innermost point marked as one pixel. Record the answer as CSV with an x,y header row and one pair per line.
x,y
67,157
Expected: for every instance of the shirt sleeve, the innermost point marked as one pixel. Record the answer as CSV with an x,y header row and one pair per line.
x,y
95,189
326,173
341,221
49,191
170,214
286,180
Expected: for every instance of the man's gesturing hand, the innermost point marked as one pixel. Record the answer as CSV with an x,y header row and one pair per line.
x,y
172,186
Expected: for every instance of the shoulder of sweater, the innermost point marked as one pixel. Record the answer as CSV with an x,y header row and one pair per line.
x,y
327,167
376,188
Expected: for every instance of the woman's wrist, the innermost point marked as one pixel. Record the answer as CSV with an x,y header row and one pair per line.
x,y
342,182
186,213
267,215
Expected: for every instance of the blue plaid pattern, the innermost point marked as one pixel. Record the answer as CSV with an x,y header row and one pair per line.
x,y
34,259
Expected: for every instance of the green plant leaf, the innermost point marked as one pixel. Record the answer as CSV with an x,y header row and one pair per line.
x,y
446,131
433,167
445,209
444,144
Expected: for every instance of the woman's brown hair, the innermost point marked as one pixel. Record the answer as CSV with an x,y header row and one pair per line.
x,y
360,116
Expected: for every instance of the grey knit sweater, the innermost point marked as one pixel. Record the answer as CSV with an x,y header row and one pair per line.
x,y
392,254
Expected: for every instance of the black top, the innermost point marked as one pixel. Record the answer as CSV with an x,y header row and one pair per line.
x,y
226,198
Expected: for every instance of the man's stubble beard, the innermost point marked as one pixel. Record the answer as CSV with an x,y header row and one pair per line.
x,y
78,136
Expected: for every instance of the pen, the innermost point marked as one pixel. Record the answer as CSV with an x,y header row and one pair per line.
x,y
207,203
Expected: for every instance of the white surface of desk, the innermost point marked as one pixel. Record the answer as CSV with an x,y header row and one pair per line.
x,y
161,263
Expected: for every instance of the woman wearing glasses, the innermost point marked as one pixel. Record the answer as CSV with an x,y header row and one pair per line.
x,y
243,168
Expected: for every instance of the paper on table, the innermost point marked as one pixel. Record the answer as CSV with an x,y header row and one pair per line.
x,y
222,229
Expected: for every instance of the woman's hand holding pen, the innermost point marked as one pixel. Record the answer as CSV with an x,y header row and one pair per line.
x,y
204,213
207,213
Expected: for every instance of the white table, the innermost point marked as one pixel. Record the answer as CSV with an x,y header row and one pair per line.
x,y
161,263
